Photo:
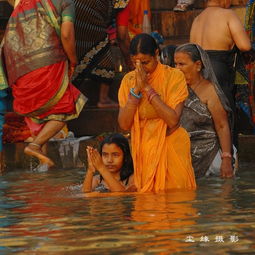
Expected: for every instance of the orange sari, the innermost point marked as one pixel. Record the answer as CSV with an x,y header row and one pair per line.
x,y
136,9
161,162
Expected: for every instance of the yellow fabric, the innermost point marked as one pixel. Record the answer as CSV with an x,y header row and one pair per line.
x,y
161,162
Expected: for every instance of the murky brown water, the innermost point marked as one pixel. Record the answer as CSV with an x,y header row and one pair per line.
x,y
46,213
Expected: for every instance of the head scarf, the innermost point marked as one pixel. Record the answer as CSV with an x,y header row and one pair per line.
x,y
208,74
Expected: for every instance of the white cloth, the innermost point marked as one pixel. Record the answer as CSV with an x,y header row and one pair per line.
x,y
214,168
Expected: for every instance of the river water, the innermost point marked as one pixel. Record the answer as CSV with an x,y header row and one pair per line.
x,y
46,213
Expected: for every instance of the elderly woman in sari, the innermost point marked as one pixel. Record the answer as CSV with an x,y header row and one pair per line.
x,y
206,115
151,100
39,55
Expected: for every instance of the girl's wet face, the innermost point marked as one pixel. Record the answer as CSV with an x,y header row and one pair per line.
x,y
184,62
112,156
148,62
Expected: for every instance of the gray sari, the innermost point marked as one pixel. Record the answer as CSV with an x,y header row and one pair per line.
x,y
197,119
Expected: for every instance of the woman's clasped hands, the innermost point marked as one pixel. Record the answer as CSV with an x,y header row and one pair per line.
x,y
95,161
141,78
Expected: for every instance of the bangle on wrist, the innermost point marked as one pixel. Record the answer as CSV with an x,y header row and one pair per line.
x,y
132,92
151,93
133,100
226,155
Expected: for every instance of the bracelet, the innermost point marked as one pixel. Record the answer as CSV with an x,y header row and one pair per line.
x,y
226,155
138,96
133,100
151,93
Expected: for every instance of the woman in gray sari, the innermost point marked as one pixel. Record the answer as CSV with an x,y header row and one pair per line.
x,y
207,115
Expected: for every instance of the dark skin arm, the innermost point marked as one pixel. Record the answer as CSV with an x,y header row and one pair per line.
x,y
221,124
68,42
89,182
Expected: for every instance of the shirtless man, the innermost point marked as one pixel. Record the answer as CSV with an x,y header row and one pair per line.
x,y
217,30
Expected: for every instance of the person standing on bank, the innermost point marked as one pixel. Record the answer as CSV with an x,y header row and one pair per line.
x,y
151,101
219,31
93,46
39,55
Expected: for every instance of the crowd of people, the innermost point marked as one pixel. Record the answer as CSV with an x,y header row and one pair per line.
x,y
182,118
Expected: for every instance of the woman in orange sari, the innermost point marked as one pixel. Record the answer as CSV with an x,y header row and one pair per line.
x,y
151,101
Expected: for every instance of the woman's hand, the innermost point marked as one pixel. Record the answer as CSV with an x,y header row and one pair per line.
x,y
96,159
226,168
71,69
90,164
141,77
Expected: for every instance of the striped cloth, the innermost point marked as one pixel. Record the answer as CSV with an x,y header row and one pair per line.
x,y
92,44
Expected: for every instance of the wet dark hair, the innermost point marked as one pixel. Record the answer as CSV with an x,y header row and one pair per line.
x,y
143,43
191,50
121,141
167,55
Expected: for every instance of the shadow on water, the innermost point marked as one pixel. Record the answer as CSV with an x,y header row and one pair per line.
x,y
46,213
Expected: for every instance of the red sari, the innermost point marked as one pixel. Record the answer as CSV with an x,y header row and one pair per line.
x,y
37,65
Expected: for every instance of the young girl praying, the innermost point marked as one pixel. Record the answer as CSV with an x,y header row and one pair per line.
x,y
114,164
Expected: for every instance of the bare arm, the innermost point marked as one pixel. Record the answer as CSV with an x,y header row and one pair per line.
x,y
166,113
68,41
221,124
126,115
112,183
89,182
238,33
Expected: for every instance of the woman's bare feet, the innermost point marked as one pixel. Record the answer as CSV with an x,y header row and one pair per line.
x,y
33,149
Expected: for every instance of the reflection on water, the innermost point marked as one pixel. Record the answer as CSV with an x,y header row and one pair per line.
x,y
46,213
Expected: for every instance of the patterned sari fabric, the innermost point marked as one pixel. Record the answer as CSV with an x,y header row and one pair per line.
x,y
36,63
198,121
250,28
161,162
92,43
